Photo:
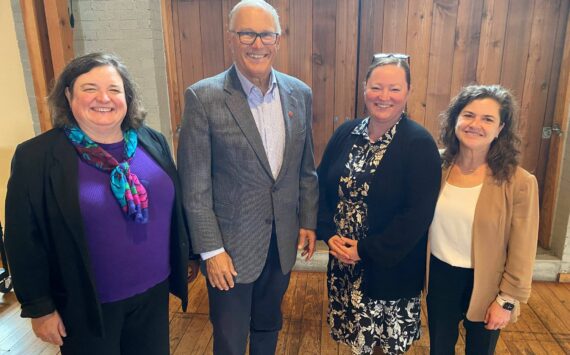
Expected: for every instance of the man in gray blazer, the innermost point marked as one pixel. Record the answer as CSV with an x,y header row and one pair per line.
x,y
245,159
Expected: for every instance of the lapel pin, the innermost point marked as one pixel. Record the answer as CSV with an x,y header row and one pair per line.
x,y
290,114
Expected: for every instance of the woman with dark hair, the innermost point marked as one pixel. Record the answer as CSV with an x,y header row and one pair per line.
x,y
95,233
484,233
378,184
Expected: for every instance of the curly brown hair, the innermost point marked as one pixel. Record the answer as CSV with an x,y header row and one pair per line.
x,y
504,153
60,110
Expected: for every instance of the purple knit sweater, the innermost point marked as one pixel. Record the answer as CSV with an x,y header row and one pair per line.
x,y
127,258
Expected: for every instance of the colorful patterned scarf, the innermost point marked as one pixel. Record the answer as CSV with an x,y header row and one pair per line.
x,y
126,188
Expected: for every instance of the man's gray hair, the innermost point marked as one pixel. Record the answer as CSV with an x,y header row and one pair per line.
x,y
255,3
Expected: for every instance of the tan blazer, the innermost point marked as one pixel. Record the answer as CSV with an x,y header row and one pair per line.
x,y
505,233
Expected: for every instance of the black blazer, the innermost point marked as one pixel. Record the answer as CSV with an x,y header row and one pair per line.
x,y
401,203
45,241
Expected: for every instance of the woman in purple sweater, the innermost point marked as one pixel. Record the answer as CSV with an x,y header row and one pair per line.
x,y
95,233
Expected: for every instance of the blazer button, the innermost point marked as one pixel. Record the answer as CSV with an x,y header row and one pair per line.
x,y
274,189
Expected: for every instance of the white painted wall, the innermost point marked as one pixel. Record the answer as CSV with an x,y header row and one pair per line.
x,y
16,117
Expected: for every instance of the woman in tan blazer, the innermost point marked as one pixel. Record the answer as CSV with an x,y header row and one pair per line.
x,y
483,236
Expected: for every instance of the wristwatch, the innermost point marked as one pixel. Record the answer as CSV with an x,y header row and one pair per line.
x,y
508,305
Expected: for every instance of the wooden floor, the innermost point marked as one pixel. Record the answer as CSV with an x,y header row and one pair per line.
x,y
544,326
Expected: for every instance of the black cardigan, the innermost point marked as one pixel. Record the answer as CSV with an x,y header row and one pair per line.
x,y
45,243
401,203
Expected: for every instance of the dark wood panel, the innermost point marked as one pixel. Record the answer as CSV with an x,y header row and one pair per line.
x,y
212,25
227,6
324,57
492,43
282,60
190,38
441,55
301,40
395,26
517,36
345,63
467,36
371,33
418,42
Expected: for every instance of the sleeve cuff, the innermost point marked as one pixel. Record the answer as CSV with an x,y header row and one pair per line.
x,y
38,308
209,254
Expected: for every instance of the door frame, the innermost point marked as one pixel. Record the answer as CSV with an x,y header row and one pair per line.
x,y
553,174
49,39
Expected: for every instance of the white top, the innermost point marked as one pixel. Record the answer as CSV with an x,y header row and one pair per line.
x,y
451,230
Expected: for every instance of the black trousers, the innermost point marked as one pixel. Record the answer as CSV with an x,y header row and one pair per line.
x,y
253,308
448,298
136,325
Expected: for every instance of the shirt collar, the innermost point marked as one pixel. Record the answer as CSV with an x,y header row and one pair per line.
x,y
248,86
361,129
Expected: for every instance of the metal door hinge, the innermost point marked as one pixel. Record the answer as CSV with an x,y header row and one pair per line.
x,y
548,131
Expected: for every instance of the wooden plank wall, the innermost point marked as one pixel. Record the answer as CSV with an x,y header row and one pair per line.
x,y
329,44
516,43
318,45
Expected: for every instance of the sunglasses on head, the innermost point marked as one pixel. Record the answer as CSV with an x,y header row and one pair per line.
x,y
378,56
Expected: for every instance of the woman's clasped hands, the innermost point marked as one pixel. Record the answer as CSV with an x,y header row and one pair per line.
x,y
344,249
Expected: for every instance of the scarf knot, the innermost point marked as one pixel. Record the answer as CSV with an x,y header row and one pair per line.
x,y
125,186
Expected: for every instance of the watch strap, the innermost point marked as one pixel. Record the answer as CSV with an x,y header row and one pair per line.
x,y
505,304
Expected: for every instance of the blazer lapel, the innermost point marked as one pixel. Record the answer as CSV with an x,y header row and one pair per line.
x,y
155,150
236,102
289,107
485,204
444,175
64,181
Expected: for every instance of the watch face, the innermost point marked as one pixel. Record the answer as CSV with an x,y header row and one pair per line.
x,y
508,306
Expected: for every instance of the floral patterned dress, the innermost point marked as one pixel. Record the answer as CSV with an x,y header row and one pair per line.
x,y
355,319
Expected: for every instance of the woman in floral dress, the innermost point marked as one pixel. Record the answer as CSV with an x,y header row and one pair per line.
x,y
379,182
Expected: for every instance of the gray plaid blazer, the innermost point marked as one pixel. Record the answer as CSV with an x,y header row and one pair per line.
x,y
230,196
